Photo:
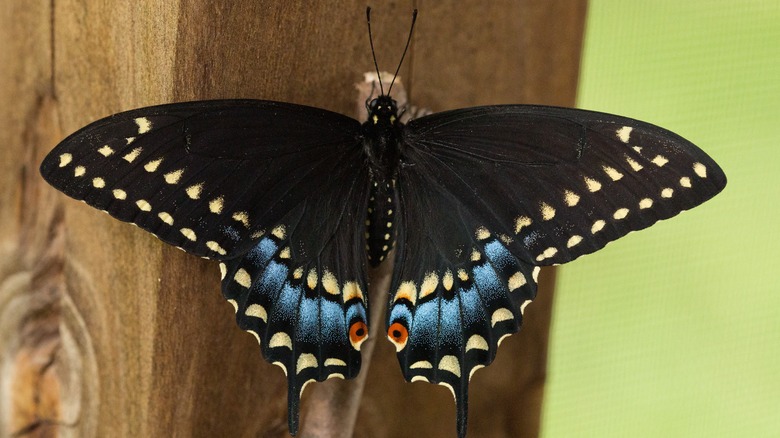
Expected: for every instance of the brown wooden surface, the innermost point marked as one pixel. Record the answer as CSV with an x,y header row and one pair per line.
x,y
105,331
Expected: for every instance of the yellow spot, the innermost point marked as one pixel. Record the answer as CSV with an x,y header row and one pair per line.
x,y
474,370
335,376
298,273
700,170
132,155
419,379
106,151
173,177
242,277
256,311
234,304
571,198
65,159
153,165
387,236
667,193
547,211
384,247
222,271
330,283
407,290
502,314
194,191
612,173
390,212
389,225
334,362
143,205
573,241
476,342
306,360
593,185
144,125
549,252
634,165
520,222
450,363
130,139
241,216
447,280
421,365
624,133
214,246
311,279
79,171
280,339
517,280
257,337
659,160
501,339
685,182
280,231
215,205
482,233
188,233
475,256
284,253
165,217
119,194
462,275
597,226
645,203
638,149
98,183
523,306
448,386
429,284
351,290
620,213
281,365
535,273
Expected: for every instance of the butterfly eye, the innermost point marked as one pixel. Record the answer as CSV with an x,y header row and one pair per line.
x,y
358,333
398,335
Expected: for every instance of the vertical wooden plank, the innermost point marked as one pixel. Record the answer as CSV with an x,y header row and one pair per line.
x,y
105,331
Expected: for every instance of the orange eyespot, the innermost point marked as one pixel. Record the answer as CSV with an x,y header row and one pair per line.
x,y
358,333
398,335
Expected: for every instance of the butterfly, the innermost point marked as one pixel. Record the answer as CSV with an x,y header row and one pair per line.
x,y
297,202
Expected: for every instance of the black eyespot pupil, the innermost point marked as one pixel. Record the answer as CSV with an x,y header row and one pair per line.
x,y
396,333
359,332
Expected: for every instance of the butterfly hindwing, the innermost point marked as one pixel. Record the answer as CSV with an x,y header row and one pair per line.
x,y
205,176
489,194
302,290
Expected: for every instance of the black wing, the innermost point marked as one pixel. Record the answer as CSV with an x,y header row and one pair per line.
x,y
489,194
276,191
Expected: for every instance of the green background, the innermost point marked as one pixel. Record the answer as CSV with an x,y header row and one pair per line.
x,y
675,330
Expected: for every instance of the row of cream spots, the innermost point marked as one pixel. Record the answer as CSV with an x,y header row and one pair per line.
x,y
571,199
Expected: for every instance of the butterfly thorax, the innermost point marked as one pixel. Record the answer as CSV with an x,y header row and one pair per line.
x,y
381,144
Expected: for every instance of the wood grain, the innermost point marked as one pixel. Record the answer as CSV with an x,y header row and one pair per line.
x,y
105,331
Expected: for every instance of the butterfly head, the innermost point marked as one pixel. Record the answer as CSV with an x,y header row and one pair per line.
x,y
382,111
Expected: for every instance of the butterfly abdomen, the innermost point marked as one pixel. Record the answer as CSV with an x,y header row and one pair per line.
x,y
380,221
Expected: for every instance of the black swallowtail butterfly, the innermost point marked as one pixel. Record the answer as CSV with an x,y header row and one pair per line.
x,y
296,201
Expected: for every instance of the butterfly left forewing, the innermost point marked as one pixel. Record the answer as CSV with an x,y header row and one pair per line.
x,y
205,176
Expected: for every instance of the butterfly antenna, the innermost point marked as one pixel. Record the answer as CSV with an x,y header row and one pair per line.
x,y
373,54
408,40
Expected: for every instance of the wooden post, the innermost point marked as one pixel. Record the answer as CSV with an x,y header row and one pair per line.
x,y
105,331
